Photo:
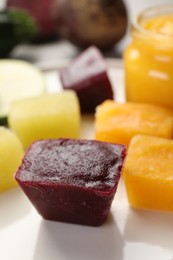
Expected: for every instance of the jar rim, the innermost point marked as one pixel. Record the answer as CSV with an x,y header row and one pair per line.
x,y
151,12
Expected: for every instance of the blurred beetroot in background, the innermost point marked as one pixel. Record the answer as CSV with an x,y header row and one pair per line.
x,y
42,10
84,22
92,22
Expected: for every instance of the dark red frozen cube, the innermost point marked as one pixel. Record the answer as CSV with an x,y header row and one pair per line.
x,y
72,180
87,75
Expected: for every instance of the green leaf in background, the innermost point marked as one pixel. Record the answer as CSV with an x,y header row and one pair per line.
x,y
16,26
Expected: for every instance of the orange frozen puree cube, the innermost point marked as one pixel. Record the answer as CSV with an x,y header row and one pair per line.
x,y
119,122
148,173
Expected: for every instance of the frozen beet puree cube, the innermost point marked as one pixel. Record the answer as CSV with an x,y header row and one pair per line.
x,y
71,180
87,75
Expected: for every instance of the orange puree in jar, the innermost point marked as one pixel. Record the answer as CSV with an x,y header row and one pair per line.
x,y
162,25
149,58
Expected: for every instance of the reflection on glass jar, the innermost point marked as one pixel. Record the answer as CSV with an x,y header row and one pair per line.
x,y
149,58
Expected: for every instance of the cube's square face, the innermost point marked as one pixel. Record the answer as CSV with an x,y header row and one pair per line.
x,y
148,173
87,75
72,180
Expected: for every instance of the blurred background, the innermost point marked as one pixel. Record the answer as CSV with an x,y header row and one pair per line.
x,y
76,24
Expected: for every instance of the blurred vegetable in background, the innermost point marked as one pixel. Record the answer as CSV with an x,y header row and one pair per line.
x,y
43,11
83,22
16,26
92,22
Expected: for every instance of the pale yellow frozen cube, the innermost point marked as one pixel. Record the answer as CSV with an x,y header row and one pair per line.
x,y
47,116
11,153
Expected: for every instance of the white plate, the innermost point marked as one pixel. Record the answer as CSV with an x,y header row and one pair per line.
x,y
127,235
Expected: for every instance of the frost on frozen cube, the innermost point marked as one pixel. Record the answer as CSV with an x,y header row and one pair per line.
x,y
148,173
72,180
46,116
88,76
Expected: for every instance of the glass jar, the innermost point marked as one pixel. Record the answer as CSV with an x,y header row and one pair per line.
x,y
149,58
